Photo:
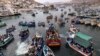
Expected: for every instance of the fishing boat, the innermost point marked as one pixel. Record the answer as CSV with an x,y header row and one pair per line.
x,y
87,21
93,22
22,23
41,24
47,51
73,29
62,15
52,37
98,22
36,48
61,22
49,17
81,21
10,29
72,14
81,43
5,39
28,24
45,11
2,24
24,34
33,14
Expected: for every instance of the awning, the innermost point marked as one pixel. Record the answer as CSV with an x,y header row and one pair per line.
x,y
82,42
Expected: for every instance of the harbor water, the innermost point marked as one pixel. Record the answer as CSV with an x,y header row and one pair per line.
x,y
12,48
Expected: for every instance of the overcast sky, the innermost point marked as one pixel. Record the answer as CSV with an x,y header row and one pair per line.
x,y
52,1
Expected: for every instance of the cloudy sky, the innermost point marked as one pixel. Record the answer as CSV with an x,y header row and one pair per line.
x,y
52,1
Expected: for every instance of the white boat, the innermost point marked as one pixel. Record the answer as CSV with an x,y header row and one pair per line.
x,y
47,51
80,41
87,22
93,22
98,24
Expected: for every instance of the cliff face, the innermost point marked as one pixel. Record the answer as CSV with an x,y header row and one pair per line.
x,y
20,3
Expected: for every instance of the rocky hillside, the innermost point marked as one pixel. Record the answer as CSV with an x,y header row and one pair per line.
x,y
20,3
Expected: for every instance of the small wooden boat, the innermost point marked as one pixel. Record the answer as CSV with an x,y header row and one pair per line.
x,y
87,21
81,21
72,14
10,29
33,14
62,15
93,22
98,24
5,39
73,29
28,24
45,11
77,21
61,22
41,24
52,37
47,51
2,24
24,34
49,17
81,43
36,48
17,14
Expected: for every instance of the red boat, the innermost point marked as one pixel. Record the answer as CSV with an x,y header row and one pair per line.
x,y
52,38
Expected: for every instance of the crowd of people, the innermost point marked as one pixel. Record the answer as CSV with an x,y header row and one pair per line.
x,y
36,46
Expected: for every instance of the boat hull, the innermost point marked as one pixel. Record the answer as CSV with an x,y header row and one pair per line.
x,y
6,41
68,43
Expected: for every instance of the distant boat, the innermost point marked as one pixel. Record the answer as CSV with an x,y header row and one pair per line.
x,y
10,29
2,24
24,34
98,23
47,51
27,24
93,22
87,21
81,43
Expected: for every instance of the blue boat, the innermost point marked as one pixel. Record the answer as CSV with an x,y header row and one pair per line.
x,y
11,29
5,39
27,24
47,51
24,34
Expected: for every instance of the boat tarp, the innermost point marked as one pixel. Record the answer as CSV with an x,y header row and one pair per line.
x,y
82,42
82,39
84,36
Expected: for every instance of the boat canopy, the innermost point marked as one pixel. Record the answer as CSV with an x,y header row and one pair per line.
x,y
83,39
